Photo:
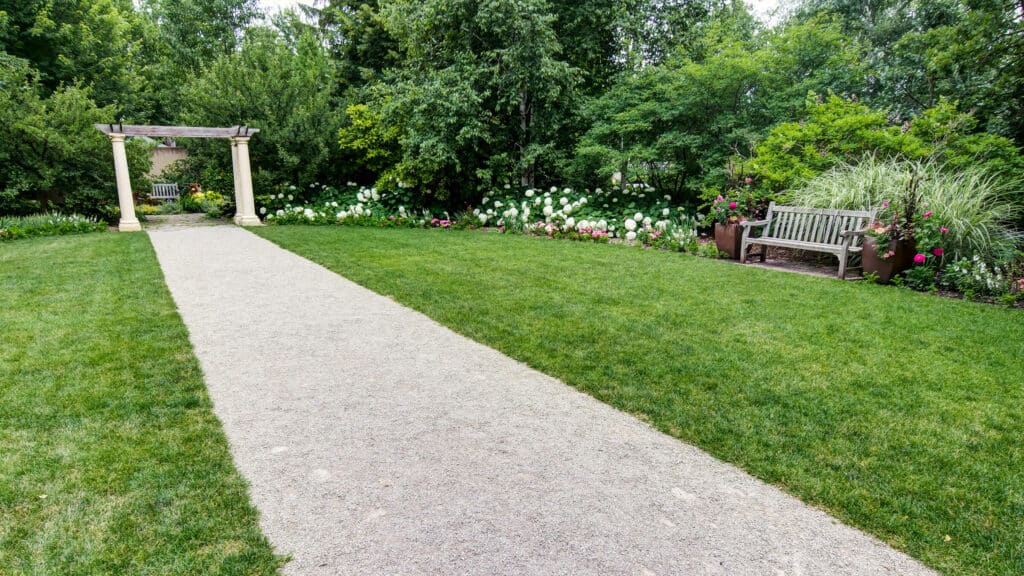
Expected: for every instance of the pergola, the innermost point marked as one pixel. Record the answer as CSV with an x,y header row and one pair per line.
x,y
245,214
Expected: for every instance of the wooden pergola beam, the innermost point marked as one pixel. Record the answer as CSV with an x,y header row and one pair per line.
x,y
176,131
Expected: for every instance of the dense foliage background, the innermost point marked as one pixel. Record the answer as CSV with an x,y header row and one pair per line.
x,y
454,98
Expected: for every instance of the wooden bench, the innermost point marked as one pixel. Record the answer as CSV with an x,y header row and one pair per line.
x,y
838,232
165,192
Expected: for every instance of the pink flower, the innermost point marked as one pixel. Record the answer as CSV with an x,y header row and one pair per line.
x,y
890,254
732,205
928,214
748,179
938,252
920,258
885,204
944,230
719,199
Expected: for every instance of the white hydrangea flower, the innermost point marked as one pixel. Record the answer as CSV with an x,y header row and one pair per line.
x,y
512,212
508,186
563,200
554,189
536,201
490,212
485,200
498,204
631,236
630,224
638,216
367,212
290,197
548,210
647,221
547,201
483,218
263,209
529,193
567,209
666,212
570,223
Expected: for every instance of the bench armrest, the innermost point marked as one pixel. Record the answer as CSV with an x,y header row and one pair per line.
x,y
853,233
756,224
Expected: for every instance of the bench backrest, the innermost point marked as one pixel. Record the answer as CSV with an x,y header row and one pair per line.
x,y
165,192
814,225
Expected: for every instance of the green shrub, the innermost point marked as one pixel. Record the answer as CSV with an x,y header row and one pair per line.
x,y
14,227
838,131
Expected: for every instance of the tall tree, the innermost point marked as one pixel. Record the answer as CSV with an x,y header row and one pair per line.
x,y
481,97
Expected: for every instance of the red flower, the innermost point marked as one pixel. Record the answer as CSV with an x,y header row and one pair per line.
x,y
920,258
928,214
938,252
944,230
732,205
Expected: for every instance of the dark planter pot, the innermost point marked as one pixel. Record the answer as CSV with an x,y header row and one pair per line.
x,y
888,268
728,238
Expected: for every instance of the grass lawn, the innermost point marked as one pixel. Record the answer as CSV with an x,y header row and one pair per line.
x,y
111,461
900,413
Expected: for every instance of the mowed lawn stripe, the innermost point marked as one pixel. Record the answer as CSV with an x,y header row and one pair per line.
x,y
111,460
900,413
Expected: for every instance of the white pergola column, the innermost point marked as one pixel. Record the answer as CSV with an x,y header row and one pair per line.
x,y
129,222
245,214
234,175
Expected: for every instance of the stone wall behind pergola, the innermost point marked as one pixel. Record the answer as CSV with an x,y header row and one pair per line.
x,y
245,214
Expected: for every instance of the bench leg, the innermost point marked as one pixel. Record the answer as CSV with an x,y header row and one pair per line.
x,y
842,264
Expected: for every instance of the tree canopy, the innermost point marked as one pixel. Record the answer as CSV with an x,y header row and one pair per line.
x,y
452,98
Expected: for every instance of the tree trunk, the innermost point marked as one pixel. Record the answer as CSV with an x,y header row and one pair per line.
x,y
528,174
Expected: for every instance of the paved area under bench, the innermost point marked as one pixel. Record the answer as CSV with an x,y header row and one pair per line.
x,y
379,442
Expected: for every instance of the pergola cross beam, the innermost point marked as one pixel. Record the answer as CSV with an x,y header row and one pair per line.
x,y
245,214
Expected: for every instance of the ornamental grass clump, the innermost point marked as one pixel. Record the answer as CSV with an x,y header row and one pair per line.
x,y
975,206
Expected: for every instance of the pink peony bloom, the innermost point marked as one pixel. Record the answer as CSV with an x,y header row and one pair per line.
x,y
938,252
920,258
719,199
732,205
748,180
944,230
928,214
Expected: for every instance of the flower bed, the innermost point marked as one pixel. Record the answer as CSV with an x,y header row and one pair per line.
x,y
14,227
635,217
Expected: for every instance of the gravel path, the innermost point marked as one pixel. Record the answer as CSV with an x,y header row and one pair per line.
x,y
379,442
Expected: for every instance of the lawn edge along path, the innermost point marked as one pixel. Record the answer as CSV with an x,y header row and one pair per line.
x,y
112,461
